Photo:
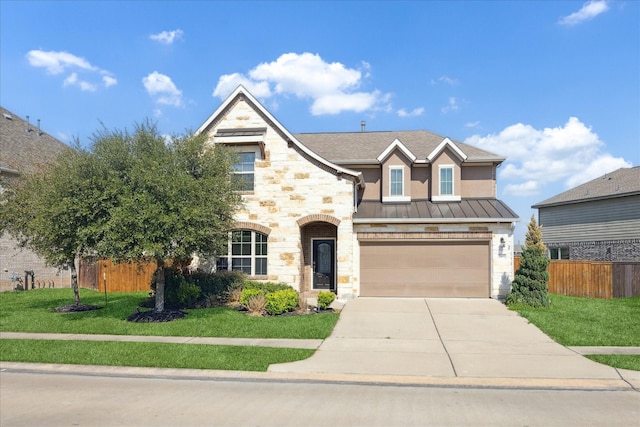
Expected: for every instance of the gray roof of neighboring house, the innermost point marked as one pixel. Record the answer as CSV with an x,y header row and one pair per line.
x,y
474,210
365,147
622,182
22,150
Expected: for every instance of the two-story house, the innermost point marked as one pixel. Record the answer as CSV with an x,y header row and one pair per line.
x,y
408,214
597,221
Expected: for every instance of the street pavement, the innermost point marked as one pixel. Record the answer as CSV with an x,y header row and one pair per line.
x,y
411,341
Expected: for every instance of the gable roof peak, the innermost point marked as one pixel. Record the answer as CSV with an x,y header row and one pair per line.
x,y
446,142
396,145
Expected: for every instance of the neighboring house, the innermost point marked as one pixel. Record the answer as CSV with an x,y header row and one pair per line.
x,y
24,148
364,214
598,220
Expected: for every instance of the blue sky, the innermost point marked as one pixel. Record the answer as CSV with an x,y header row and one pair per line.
x,y
553,86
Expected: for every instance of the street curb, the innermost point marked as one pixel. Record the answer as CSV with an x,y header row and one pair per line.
x,y
352,379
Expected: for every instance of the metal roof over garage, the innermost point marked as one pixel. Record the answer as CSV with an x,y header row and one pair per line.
x,y
419,211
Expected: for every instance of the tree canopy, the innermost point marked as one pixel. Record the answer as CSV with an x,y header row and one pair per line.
x,y
131,196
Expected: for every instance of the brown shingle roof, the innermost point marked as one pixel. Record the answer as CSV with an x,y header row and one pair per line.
x,y
24,150
361,147
623,182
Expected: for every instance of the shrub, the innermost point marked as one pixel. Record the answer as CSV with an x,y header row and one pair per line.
x,y
188,294
281,301
256,303
247,293
234,294
530,286
265,286
325,299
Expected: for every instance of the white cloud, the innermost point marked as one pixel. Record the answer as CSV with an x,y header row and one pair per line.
x,y
472,124
163,89
332,87
589,10
73,80
59,62
413,113
167,37
571,154
451,106
229,82
109,81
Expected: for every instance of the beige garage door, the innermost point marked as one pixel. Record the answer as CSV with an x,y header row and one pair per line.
x,y
424,269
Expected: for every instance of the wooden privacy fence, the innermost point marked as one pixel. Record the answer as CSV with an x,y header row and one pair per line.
x,y
126,277
594,279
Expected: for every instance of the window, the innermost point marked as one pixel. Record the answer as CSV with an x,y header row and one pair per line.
x,y
246,252
244,169
396,178
446,181
559,253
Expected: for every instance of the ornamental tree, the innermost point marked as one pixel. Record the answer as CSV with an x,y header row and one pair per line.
x,y
530,285
169,198
54,212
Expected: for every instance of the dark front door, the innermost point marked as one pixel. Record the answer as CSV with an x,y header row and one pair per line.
x,y
324,264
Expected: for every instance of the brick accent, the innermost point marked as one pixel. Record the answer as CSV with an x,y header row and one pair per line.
x,y
244,225
318,218
426,236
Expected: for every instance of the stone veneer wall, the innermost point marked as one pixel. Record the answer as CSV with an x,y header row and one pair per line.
x,y
288,187
606,250
501,253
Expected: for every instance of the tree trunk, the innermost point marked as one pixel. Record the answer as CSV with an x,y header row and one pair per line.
x,y
74,282
159,287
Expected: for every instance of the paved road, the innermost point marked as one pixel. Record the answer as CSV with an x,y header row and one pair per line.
x,y
30,399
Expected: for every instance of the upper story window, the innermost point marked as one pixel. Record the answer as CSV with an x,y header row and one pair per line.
x,y
244,168
446,181
246,252
396,181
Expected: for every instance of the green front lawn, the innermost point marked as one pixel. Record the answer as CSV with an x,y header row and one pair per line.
x,y
157,355
31,311
575,321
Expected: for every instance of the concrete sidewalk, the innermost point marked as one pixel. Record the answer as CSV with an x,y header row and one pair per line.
x,y
447,338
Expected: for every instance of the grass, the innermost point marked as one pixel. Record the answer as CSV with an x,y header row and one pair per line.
x,y
31,311
576,321
192,356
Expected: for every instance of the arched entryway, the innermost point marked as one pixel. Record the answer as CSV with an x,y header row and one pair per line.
x,y
319,244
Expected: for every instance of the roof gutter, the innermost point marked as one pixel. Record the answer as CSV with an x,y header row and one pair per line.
x,y
431,220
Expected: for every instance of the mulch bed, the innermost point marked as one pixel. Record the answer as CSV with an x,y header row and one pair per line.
x,y
76,308
154,316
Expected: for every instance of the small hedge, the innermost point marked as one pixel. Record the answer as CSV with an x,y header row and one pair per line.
x,y
325,299
282,301
248,293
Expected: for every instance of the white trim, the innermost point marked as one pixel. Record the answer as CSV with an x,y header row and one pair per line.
x,y
446,142
392,199
396,168
399,145
335,261
446,197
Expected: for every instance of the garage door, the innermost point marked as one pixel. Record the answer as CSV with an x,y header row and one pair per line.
x,y
424,269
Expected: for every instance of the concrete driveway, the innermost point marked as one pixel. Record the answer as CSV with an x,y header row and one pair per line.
x,y
470,338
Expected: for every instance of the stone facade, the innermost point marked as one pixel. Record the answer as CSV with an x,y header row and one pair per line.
x,y
290,192
604,250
